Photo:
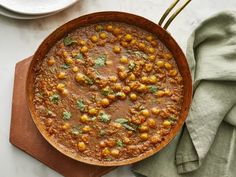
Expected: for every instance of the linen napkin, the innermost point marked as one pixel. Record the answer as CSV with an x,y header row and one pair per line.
x,y
207,145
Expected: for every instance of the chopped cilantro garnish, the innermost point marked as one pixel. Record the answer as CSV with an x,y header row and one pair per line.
x,y
80,105
69,41
106,91
75,130
88,80
102,132
104,117
121,120
131,66
100,61
128,127
152,88
66,115
65,66
80,56
119,143
54,98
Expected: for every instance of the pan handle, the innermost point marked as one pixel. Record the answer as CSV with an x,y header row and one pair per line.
x,y
172,17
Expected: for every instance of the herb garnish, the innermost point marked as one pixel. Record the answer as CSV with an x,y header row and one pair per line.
x,y
106,91
80,105
104,117
54,98
100,61
75,130
131,66
124,122
65,66
119,143
69,41
88,80
80,56
102,133
66,115
152,88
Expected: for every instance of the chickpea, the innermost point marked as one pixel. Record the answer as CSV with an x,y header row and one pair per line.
x,y
148,67
173,72
120,68
168,66
81,146
85,138
113,78
75,69
61,75
133,42
102,144
82,42
126,140
124,44
93,111
151,50
109,28
117,87
69,61
166,123
103,35
65,54
154,43
86,129
115,152
142,88
167,56
149,38
145,112
116,49
79,77
168,93
65,92
84,49
144,136
105,102
160,93
123,75
74,53
111,142
152,58
124,60
155,139
101,43
116,31
151,123
143,128
111,96
144,79
136,120
152,79
84,118
131,77
155,111
65,126
126,89
60,86
94,39
117,125
128,37
51,61
99,28
121,95
133,96
106,151
141,46
160,64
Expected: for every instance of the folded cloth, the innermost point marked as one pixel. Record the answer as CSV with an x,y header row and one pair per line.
x,y
207,145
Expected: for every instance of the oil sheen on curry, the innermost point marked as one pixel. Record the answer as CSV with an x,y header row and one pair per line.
x,y
108,92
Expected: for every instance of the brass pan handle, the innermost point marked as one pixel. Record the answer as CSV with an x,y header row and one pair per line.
x,y
172,17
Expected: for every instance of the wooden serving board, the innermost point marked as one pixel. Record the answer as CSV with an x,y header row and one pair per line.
x,y
25,135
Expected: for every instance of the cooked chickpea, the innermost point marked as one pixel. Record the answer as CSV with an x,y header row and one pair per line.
x,y
167,56
120,68
60,86
86,129
94,39
105,102
117,86
65,92
102,144
143,128
128,37
65,126
51,61
61,75
99,28
75,69
155,111
124,44
145,112
115,152
166,123
113,78
155,139
82,42
154,43
173,72
144,136
168,66
151,50
121,95
126,140
122,75
84,118
103,35
131,77
142,88
152,58
116,49
79,77
133,96
152,79
109,28
74,53
116,31
160,64
136,120
144,79
133,42
106,151
116,125
168,93
126,89
84,49
65,54
124,60
160,93
93,111
141,46
151,123
148,67
69,61
81,146
111,96
149,38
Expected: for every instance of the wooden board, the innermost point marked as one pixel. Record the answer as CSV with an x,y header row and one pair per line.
x,y
25,135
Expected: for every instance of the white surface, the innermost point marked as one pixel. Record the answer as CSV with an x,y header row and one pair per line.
x,y
15,15
43,6
19,39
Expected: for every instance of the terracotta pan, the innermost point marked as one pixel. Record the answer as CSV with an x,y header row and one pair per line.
x,y
141,22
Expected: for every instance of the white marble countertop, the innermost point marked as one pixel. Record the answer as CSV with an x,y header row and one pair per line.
x,y
19,39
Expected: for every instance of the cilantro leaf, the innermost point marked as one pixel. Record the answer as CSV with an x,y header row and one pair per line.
x,y
153,88
80,105
80,56
121,120
66,115
69,41
100,61
119,143
54,98
104,117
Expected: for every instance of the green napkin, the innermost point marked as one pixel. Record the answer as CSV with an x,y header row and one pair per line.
x,y
207,145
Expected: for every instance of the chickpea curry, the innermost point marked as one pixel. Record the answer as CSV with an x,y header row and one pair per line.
x,y
108,91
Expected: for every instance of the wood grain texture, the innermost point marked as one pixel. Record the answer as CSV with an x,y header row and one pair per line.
x,y
25,135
